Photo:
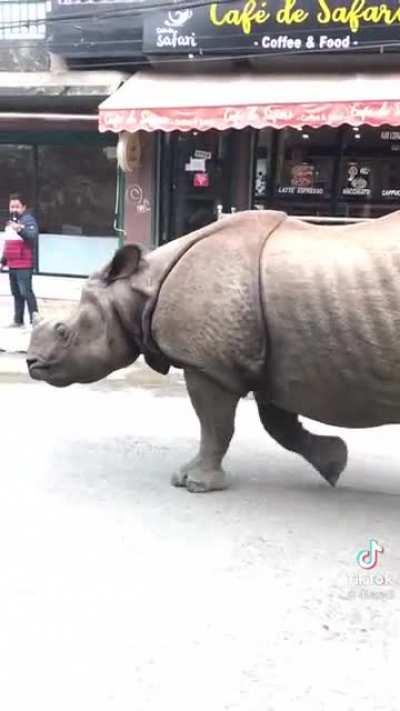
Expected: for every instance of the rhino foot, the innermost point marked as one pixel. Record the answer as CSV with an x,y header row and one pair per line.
x,y
213,481
329,457
199,481
180,478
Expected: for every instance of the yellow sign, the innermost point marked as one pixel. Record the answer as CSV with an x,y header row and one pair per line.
x,y
254,13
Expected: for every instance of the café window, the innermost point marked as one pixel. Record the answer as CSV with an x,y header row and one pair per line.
x,y
369,183
69,185
76,189
16,175
69,180
305,164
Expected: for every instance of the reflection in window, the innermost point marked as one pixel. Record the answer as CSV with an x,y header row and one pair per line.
x,y
16,175
74,184
76,189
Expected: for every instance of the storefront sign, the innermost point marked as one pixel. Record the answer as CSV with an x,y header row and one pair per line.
x,y
117,28
273,26
355,113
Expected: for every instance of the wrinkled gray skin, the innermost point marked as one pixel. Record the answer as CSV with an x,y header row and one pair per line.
x,y
330,320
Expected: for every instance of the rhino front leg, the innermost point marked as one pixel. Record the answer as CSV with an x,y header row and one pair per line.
x,y
327,454
215,408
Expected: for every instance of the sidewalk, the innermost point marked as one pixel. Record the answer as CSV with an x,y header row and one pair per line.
x,y
48,287
56,296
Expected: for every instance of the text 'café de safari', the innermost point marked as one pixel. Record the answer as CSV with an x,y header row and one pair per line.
x,y
351,16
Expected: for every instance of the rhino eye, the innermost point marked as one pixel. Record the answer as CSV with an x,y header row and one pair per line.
x,y
61,330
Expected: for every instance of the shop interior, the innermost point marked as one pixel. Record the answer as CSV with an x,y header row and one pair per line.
x,y
335,174
196,177
345,172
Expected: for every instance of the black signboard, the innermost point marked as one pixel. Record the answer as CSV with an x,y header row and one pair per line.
x,y
101,29
126,29
273,26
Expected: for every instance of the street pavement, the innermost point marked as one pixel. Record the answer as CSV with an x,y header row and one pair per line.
x,y
119,592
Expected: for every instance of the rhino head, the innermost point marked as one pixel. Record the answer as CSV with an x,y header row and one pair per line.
x,y
101,335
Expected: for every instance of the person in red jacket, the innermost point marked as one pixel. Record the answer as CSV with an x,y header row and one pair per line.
x,y
19,254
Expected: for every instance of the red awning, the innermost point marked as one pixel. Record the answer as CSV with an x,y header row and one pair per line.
x,y
151,101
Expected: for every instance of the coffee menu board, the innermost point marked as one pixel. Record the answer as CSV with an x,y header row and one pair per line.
x,y
357,180
303,180
361,180
376,179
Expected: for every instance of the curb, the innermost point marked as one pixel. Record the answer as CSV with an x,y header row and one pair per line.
x,y
14,341
3,350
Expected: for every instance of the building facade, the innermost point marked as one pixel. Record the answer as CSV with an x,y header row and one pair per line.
x,y
227,106
50,147
293,107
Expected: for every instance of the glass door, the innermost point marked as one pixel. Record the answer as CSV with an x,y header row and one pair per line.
x,y
200,179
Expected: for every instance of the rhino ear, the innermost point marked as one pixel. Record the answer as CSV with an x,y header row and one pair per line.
x,y
124,263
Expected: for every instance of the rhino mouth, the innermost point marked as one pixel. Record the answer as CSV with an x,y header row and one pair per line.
x,y
48,373
37,370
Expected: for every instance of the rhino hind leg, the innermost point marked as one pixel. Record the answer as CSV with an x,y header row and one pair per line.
x,y
215,408
328,455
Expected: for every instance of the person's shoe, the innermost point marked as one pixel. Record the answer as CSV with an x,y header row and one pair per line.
x,y
15,325
35,318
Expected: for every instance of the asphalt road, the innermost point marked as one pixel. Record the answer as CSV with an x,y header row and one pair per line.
x,y
120,592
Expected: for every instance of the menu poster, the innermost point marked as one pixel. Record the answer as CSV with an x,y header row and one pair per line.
x,y
302,181
302,175
260,186
357,180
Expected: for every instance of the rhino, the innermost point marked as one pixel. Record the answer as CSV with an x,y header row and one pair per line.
x,y
305,317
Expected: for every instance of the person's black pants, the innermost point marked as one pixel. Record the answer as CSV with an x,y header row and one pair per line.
x,y
21,289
